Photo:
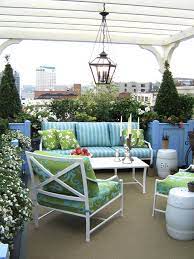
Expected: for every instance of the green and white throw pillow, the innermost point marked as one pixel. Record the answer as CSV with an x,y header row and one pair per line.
x,y
49,139
67,139
134,142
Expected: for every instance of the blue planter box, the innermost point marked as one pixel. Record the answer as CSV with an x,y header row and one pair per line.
x,y
4,251
25,128
178,138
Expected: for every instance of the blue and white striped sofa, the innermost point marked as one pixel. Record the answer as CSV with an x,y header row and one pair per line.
x,y
100,138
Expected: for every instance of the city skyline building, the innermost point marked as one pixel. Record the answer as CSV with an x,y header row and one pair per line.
x,y
45,78
135,87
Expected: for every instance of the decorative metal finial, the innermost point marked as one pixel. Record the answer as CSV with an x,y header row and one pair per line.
x,y
7,57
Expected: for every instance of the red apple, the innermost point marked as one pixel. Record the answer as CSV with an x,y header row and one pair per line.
x,y
84,150
78,151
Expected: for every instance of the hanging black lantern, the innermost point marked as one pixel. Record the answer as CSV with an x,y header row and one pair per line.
x,y
103,67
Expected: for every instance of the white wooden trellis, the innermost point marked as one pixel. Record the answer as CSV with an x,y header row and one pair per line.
x,y
146,23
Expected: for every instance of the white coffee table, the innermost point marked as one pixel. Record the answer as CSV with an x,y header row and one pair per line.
x,y
109,163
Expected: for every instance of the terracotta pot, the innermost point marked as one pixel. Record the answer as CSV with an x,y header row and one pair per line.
x,y
191,186
165,143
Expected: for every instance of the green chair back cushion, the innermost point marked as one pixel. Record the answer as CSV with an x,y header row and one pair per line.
x,y
73,178
134,142
67,139
179,179
49,139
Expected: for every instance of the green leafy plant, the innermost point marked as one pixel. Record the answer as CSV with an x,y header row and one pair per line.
x,y
65,110
3,125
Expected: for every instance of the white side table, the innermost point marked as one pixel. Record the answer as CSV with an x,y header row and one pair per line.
x,y
180,214
166,161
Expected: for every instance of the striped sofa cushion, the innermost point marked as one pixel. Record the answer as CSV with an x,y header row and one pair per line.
x,y
101,151
93,134
137,152
114,129
59,125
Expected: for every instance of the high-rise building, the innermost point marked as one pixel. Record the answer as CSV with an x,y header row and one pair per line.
x,y
17,81
45,78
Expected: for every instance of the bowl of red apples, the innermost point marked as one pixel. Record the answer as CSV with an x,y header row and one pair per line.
x,y
81,152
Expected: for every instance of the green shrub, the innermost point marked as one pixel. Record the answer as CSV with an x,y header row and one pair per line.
x,y
185,107
3,125
65,110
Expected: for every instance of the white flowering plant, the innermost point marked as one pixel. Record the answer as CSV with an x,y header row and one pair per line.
x,y
24,141
36,114
15,205
146,115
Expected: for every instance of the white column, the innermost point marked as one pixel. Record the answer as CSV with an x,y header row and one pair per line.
x,y
166,55
7,43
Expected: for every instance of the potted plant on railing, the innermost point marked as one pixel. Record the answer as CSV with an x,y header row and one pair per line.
x,y
165,142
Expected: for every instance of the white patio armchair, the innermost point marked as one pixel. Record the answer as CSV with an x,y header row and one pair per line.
x,y
162,187
69,185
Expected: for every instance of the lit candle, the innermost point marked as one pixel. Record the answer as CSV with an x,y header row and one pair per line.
x,y
121,126
129,124
138,131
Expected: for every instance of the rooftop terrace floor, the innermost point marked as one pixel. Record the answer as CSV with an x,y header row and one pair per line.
x,y
136,235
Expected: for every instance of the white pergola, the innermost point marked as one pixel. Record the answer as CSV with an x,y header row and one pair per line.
x,y
148,23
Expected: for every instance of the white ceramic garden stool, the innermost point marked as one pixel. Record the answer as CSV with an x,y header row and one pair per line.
x,y
180,214
166,161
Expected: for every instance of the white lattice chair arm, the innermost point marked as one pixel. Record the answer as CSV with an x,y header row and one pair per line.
x,y
191,167
151,150
112,178
40,146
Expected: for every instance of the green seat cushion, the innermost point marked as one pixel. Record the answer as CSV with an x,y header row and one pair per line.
x,y
185,174
107,191
67,139
177,180
73,178
49,139
134,142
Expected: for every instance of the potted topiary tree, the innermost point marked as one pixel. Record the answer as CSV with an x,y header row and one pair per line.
x,y
9,97
167,98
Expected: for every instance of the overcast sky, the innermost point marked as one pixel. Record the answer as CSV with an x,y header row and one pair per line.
x,y
71,61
